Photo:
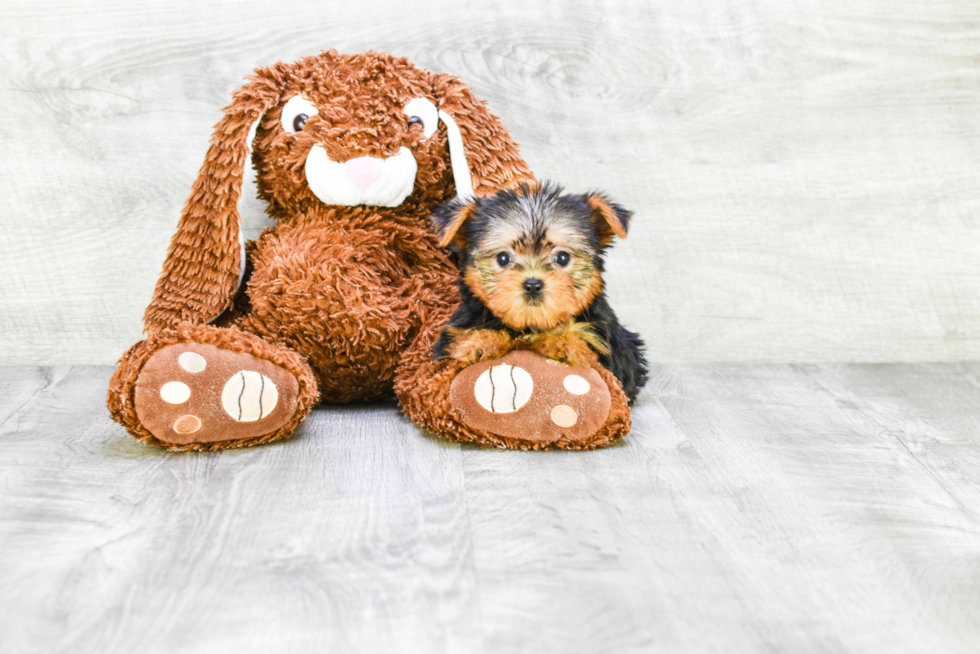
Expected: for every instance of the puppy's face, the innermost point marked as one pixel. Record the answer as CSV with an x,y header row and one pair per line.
x,y
533,255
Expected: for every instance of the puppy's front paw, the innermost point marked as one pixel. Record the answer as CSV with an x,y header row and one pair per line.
x,y
475,345
567,348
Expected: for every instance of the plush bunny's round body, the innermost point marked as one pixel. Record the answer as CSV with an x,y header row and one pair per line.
x,y
342,299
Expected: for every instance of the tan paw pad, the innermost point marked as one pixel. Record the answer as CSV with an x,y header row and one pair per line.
x,y
249,396
576,384
175,392
503,388
564,416
187,424
192,362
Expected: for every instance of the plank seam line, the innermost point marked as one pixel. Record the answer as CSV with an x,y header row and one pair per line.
x,y
46,386
966,509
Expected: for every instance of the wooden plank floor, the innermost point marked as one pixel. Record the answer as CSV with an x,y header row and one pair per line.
x,y
782,508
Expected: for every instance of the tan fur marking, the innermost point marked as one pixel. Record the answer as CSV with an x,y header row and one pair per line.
x,y
573,343
563,235
451,232
472,345
609,216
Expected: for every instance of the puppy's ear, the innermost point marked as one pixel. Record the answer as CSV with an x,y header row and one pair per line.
x,y
204,263
484,158
608,217
448,218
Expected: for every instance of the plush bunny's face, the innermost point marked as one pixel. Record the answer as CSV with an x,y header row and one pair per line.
x,y
361,132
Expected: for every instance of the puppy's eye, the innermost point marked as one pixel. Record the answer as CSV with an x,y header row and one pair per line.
x,y
422,112
503,259
296,112
562,259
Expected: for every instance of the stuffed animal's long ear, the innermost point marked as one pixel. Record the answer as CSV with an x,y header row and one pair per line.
x,y
608,217
477,138
448,218
204,262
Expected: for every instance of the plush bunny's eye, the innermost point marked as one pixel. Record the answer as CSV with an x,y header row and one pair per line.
x,y
296,112
422,112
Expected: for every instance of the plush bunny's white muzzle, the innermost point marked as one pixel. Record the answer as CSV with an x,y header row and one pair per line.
x,y
381,182
364,180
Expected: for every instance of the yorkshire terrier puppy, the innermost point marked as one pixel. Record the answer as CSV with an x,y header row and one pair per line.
x,y
531,262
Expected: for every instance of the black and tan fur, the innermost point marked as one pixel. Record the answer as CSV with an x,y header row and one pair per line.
x,y
531,262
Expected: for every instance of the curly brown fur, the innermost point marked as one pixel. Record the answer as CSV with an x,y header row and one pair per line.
x,y
531,262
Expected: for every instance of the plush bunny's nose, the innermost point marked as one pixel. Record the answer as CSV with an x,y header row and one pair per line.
x,y
364,171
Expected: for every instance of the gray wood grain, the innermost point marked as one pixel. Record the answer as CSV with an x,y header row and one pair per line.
x,y
353,538
804,174
783,508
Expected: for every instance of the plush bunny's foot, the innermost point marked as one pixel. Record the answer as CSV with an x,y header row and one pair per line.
x,y
224,388
194,393
527,401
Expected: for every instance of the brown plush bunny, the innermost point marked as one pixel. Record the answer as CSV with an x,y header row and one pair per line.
x,y
342,299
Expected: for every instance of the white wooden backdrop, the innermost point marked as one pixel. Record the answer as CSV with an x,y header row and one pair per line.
x,y
804,173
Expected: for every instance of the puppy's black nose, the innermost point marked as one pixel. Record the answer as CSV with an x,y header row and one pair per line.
x,y
533,287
